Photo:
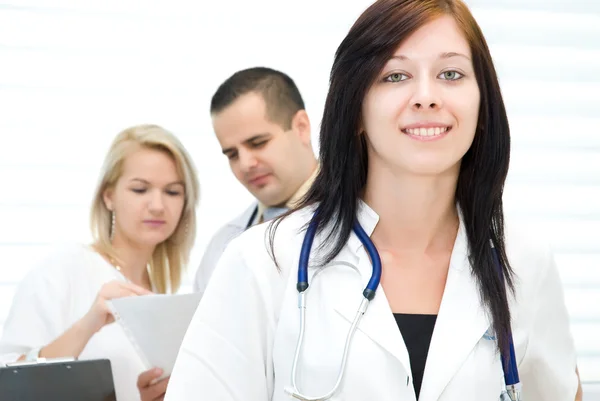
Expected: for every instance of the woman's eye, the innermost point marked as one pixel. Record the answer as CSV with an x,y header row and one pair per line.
x,y
396,77
451,75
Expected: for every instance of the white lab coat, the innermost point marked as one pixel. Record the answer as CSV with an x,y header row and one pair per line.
x,y
240,344
58,293
217,245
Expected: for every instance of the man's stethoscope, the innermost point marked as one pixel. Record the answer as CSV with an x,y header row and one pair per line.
x,y
509,363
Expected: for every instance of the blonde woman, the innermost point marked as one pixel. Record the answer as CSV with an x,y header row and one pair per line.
x,y
143,225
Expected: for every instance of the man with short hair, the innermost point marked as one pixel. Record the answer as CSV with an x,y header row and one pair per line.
x,y
259,118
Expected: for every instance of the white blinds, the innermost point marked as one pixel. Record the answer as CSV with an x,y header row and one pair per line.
x,y
548,57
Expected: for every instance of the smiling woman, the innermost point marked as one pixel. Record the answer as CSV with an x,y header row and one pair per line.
x,y
143,223
414,148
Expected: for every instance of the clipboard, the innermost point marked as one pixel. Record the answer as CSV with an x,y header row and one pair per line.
x,y
58,380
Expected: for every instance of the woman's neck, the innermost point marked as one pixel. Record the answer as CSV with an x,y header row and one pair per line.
x,y
416,213
132,261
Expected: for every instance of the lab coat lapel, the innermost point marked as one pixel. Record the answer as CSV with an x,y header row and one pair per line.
x,y
378,322
242,221
460,325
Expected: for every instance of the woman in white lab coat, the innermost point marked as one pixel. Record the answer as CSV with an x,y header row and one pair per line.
x,y
415,146
143,222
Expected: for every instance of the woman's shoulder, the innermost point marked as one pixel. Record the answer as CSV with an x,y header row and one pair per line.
x,y
530,254
527,247
64,259
54,271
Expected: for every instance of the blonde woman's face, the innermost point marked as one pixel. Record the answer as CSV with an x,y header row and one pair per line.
x,y
147,199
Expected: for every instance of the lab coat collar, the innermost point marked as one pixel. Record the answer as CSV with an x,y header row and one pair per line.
x,y
368,220
460,325
242,220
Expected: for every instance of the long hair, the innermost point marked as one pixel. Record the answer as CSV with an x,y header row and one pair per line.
x,y
341,180
172,255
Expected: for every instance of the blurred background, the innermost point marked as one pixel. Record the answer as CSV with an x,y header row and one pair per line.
x,y
75,73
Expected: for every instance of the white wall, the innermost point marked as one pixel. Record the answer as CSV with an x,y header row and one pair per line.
x,y
74,73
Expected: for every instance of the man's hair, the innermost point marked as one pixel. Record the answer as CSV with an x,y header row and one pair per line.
x,y
280,93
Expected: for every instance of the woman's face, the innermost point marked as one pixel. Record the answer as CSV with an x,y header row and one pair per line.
x,y
420,115
147,200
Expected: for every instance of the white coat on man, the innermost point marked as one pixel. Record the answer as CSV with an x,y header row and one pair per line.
x,y
219,242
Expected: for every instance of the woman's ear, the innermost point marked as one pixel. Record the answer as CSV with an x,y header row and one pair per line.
x,y
107,197
361,128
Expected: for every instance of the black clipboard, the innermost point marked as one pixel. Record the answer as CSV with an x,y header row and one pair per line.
x,y
85,380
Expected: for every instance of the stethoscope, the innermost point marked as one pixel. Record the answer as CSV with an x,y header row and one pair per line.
x,y
509,362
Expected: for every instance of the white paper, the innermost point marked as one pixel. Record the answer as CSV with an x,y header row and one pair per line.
x,y
156,325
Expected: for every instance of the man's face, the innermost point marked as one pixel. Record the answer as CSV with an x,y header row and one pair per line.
x,y
262,155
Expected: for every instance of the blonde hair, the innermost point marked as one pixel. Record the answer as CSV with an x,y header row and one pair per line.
x,y
170,257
